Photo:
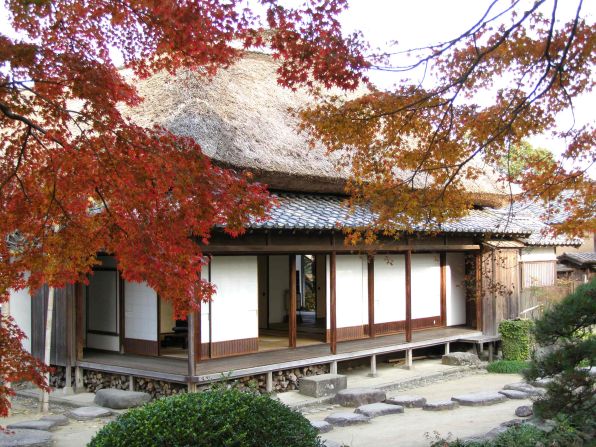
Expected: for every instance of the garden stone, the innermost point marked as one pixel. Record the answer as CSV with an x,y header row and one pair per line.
x,y
120,399
514,394
378,409
59,419
330,443
481,399
524,411
526,388
25,438
34,425
344,419
354,397
542,383
407,401
322,426
88,413
322,385
460,359
440,405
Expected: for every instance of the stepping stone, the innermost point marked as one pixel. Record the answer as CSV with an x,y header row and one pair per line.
x,y
514,394
34,425
378,409
526,388
322,385
25,438
120,399
322,426
88,413
59,419
354,397
524,411
407,401
343,419
460,359
542,383
481,399
330,443
440,405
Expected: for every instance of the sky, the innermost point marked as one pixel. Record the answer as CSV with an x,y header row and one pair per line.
x,y
416,23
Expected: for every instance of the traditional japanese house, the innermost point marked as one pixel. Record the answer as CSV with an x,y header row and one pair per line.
x,y
290,292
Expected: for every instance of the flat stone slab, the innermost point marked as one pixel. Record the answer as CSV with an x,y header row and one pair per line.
x,y
88,413
25,438
481,399
59,419
524,411
378,409
37,424
322,426
343,419
514,394
330,443
322,385
355,397
120,399
542,383
407,401
460,359
526,388
440,405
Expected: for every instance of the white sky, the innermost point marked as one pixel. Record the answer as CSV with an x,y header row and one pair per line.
x,y
415,23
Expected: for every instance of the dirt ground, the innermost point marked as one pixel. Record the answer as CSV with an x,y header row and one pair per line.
x,y
414,426
408,429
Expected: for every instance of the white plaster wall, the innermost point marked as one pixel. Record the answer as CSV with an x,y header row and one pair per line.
x,y
279,287
20,310
352,300
205,309
426,285
235,305
455,288
140,311
531,254
105,342
390,288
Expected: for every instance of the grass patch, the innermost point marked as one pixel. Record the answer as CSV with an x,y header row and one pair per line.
x,y
507,366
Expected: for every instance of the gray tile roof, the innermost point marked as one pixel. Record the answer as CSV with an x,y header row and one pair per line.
x,y
579,258
327,212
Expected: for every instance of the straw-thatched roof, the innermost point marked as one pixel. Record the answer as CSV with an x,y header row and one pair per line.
x,y
242,118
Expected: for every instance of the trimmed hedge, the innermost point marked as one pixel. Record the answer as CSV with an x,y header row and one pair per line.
x,y
507,366
517,341
219,417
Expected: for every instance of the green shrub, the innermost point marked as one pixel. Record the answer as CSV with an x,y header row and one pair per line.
x,y
211,418
507,366
516,339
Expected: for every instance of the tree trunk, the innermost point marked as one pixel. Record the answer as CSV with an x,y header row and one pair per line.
x,y
6,313
45,396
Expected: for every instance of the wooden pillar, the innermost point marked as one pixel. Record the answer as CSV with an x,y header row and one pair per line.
x,y
443,261
447,348
409,360
131,383
333,367
373,366
371,296
333,302
192,365
478,291
292,311
269,382
408,296
79,380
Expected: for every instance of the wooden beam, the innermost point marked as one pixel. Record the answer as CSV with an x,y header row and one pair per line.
x,y
478,291
408,296
292,311
215,249
371,296
443,261
192,365
333,302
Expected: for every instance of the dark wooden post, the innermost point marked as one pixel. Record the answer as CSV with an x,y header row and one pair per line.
x,y
192,365
371,296
443,261
408,296
333,302
292,311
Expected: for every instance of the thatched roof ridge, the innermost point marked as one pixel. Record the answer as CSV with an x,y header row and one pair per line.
x,y
242,118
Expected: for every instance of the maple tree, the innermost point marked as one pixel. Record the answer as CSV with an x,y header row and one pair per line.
x,y
78,178
417,146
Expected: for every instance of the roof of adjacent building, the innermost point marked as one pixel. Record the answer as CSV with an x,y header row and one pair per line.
x,y
580,259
